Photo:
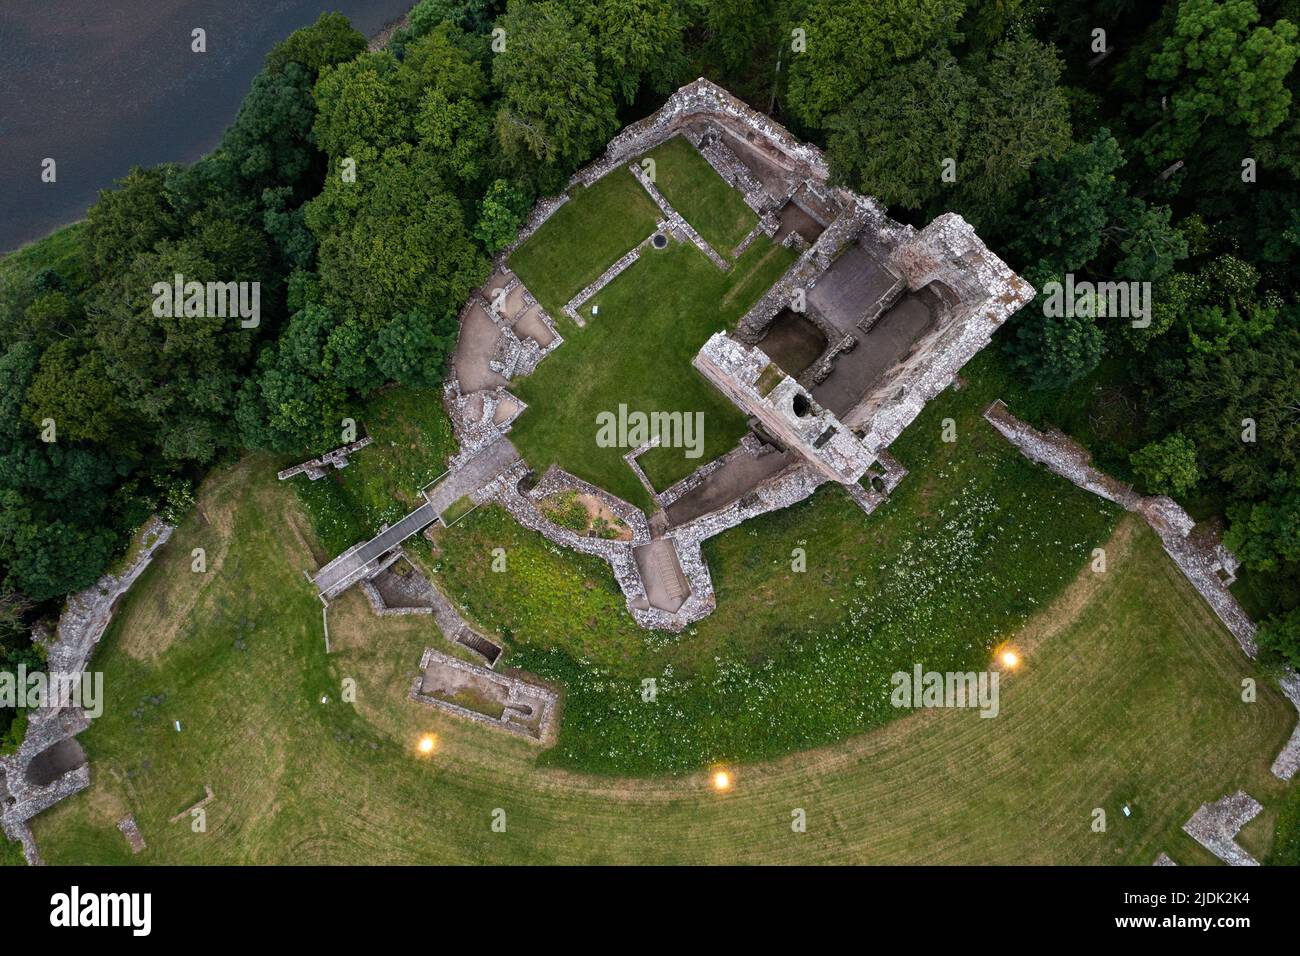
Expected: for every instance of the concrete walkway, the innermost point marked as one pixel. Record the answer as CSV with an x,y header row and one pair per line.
x,y
473,473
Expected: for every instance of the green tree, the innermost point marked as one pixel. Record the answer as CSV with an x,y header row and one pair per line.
x,y
413,348
361,109
500,214
328,41
850,44
638,40
1081,218
892,140
1219,64
129,221
1056,343
396,245
1168,466
555,106
1265,534
1021,117
71,386
1280,634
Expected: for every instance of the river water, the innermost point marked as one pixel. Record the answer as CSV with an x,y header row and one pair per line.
x,y
100,86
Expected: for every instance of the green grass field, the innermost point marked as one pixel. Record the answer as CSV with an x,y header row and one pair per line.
x,y
1128,693
593,229
637,351
716,210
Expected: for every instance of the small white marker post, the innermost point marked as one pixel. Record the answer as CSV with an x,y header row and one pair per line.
x,y
178,726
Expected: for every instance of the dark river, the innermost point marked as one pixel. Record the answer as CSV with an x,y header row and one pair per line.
x,y
103,85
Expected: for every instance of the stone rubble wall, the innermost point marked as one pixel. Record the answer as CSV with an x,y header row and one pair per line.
x,y
617,554
748,446
676,223
1198,558
891,472
736,369
541,212
556,480
131,830
1288,759
706,101
735,173
609,275
948,252
1215,826
631,459
382,609
804,272
86,616
700,100
316,468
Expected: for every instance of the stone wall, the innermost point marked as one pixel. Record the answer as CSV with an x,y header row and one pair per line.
x,y
517,690
816,434
86,616
1200,558
317,467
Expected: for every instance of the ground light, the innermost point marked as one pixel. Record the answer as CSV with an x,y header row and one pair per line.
x,y
721,780
427,745
1009,658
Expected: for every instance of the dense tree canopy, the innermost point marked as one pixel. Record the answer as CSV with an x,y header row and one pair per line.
x,y
365,193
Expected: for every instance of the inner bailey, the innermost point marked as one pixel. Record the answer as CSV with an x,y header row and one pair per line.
x,y
781,179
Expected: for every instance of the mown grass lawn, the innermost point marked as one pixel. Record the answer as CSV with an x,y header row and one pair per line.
x,y
716,210
583,238
637,351
1129,694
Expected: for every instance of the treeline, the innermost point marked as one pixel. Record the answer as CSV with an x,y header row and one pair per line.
x,y
367,191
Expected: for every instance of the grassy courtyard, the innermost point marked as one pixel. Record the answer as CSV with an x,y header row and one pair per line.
x,y
637,351
717,211
1128,695
593,229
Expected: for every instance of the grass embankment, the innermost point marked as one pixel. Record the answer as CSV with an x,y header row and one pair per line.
x,y
973,542
716,210
61,251
1129,693
637,351
593,229
412,441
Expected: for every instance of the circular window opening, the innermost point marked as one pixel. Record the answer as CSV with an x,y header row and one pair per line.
x,y
659,240
801,404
